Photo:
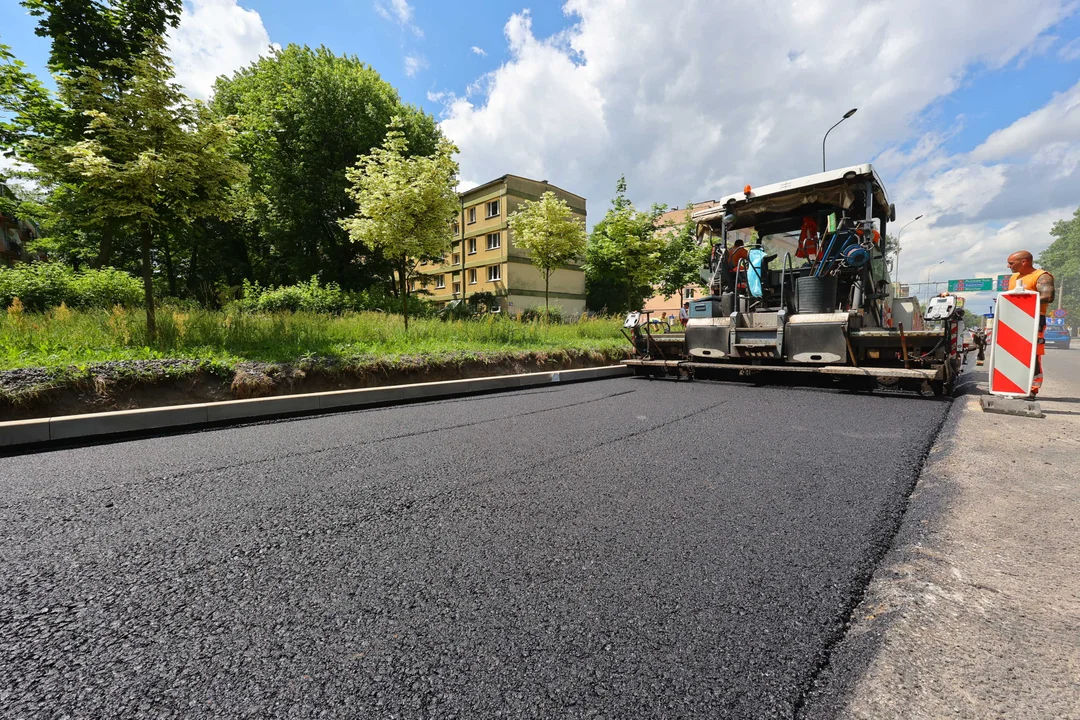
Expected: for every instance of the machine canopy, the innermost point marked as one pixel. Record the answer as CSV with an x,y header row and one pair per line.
x,y
780,207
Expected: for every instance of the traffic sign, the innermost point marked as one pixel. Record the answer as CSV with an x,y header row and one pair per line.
x,y
1002,283
1055,321
1060,313
971,285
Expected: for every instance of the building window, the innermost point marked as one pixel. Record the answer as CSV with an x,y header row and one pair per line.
x,y
494,241
472,246
494,273
472,215
688,294
472,276
493,208
455,227
457,288
457,259
440,281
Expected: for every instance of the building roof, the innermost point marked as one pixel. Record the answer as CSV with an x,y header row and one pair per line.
x,y
503,179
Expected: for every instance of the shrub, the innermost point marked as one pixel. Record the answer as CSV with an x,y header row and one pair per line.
x,y
309,297
535,314
329,299
40,286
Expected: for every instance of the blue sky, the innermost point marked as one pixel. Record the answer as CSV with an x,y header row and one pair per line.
x,y
970,109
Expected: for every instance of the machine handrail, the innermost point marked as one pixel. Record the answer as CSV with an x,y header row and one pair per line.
x,y
788,263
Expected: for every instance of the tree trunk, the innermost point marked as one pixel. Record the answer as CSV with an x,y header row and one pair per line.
x,y
170,272
404,295
547,308
148,283
193,270
105,247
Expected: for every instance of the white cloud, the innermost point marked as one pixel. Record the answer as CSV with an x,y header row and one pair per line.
x,y
414,64
215,37
478,51
691,103
1057,121
398,11
1070,51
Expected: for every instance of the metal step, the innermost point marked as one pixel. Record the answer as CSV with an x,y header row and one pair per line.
x,y
757,350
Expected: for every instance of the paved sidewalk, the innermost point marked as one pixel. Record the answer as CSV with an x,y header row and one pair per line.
x,y
975,611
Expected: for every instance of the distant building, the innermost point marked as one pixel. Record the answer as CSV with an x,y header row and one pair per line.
x,y
658,305
15,235
483,257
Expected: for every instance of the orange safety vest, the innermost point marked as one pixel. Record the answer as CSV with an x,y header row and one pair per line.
x,y
1029,282
807,240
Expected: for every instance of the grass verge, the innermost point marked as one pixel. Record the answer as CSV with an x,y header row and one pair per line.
x,y
64,348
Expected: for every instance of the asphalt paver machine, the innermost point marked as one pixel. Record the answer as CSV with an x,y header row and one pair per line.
x,y
810,293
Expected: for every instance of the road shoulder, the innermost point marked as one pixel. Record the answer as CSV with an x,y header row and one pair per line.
x,y
975,611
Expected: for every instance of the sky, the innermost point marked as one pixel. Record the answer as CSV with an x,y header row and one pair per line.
x,y
969,109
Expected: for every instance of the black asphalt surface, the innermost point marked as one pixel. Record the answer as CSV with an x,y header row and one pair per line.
x,y
626,548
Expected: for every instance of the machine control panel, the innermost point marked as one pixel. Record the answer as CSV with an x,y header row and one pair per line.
x,y
631,319
940,308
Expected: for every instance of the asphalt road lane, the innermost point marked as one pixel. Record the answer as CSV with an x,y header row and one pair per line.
x,y
624,548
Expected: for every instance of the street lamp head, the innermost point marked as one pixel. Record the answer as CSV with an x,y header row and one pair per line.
x,y
849,113
917,217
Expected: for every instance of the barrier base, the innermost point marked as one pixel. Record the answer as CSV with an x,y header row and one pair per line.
x,y
1010,406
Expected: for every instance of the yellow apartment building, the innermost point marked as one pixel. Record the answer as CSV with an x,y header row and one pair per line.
x,y
483,257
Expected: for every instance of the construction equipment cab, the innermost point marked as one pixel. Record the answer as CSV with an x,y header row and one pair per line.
x,y
812,292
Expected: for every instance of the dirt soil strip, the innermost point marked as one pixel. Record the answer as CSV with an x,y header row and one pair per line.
x,y
103,387
975,612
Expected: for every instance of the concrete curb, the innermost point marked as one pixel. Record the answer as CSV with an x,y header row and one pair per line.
x,y
72,428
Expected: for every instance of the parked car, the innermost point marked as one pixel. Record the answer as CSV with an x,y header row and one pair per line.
x,y
1057,336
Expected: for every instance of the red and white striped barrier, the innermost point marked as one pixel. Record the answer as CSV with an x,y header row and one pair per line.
x,y
1014,341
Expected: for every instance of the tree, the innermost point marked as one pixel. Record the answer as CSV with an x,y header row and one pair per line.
x,y
305,116
682,258
548,229
96,34
405,205
150,158
1062,259
622,257
102,37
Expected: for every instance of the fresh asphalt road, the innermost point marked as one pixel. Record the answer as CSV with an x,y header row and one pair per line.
x,y
625,548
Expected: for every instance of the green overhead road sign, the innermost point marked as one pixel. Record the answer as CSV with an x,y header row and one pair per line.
x,y
1003,283
971,285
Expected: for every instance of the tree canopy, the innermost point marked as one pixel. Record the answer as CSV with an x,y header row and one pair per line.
x,y
1062,259
682,257
305,116
405,203
623,255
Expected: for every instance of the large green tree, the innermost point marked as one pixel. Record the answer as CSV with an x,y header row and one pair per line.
x,y
1062,259
305,116
103,38
98,33
406,204
623,255
548,230
151,160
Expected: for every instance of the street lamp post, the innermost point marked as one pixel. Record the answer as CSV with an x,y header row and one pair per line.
x,y
848,114
929,270
897,268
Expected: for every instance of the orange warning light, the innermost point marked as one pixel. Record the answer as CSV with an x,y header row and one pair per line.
x,y
746,190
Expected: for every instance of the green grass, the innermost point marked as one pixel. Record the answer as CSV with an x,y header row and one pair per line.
x,y
63,337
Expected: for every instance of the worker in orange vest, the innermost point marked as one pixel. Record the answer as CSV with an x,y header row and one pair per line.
x,y
1027,276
